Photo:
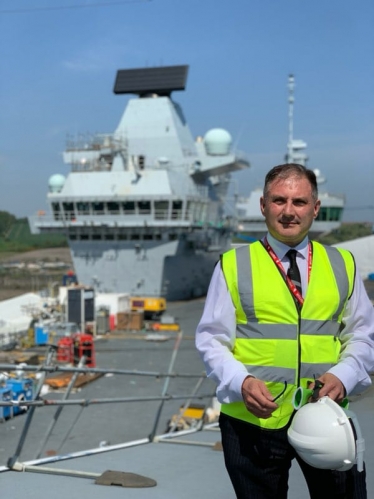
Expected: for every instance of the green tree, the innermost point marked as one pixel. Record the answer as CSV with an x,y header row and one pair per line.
x,y
6,222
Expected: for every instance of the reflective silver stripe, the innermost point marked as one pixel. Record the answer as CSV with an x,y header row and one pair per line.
x,y
314,370
244,272
281,374
269,373
254,330
340,272
322,328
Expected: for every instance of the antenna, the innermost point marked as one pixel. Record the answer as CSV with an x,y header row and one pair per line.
x,y
291,99
295,148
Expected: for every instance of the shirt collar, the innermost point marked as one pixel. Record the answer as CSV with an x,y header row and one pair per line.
x,y
280,249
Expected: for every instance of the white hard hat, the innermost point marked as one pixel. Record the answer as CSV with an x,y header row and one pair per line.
x,y
327,436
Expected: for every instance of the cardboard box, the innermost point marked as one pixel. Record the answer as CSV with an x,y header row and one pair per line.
x,y
130,321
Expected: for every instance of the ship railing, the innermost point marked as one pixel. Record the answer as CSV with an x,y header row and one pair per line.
x,y
49,367
95,142
50,223
90,166
114,217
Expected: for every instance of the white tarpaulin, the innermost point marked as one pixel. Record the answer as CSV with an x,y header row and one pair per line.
x,y
363,251
16,314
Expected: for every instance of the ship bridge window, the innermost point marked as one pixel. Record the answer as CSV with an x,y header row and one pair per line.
x,y
161,210
141,162
83,208
196,211
128,207
144,207
189,211
173,237
68,210
113,207
56,211
336,214
199,212
109,237
322,214
98,208
176,210
135,237
96,237
330,214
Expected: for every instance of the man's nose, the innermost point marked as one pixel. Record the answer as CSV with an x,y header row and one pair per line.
x,y
288,209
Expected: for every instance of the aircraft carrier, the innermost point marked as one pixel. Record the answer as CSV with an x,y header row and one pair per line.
x,y
143,207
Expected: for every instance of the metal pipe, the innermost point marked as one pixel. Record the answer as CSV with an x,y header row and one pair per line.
x,y
52,424
186,405
85,370
86,402
54,471
30,413
86,453
166,383
186,442
70,429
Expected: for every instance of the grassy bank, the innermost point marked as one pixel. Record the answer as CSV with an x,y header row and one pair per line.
x,y
17,238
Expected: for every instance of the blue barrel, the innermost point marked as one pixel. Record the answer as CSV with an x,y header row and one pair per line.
x,y
41,334
21,389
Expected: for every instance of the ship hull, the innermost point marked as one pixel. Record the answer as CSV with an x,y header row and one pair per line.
x,y
174,269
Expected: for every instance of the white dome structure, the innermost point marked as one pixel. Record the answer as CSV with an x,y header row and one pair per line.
x,y
217,142
56,183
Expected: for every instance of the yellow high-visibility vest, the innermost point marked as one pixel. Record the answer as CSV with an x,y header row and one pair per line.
x,y
278,341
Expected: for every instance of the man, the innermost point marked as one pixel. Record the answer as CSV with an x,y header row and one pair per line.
x,y
274,321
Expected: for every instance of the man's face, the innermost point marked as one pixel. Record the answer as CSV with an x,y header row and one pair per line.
x,y
289,209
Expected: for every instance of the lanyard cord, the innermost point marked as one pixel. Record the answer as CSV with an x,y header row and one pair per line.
x,y
278,263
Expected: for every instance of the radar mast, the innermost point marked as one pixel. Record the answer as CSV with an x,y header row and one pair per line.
x,y
295,148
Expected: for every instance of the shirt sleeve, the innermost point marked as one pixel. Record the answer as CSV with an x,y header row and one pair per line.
x,y
215,338
356,361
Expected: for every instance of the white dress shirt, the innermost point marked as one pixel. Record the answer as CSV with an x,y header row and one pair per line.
x,y
215,334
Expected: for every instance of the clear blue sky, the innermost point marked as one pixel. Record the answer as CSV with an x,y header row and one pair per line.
x,y
58,67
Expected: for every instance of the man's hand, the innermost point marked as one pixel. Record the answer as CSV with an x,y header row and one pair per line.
x,y
257,398
332,387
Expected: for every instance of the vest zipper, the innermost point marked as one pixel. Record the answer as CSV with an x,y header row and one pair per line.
x,y
298,345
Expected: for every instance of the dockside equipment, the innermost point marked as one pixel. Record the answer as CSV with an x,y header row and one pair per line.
x,y
152,307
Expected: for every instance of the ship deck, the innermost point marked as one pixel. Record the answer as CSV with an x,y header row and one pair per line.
x,y
189,465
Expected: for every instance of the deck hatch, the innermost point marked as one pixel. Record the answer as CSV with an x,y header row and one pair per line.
x,y
125,479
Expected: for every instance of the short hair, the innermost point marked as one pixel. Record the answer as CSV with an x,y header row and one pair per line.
x,y
282,172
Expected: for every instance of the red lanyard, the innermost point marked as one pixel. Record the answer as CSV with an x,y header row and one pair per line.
x,y
278,263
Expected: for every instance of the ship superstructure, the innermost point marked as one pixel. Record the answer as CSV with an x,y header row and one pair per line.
x,y
143,207
251,221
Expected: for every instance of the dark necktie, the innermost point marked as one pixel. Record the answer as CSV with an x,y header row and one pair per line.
x,y
293,271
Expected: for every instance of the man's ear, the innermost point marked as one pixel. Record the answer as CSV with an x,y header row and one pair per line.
x,y
317,206
262,204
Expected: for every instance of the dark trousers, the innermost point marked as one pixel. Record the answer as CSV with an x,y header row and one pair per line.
x,y
258,463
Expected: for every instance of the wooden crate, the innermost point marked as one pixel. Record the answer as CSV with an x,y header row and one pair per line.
x,y
133,321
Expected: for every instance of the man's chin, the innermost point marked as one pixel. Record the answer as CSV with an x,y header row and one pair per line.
x,y
290,234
